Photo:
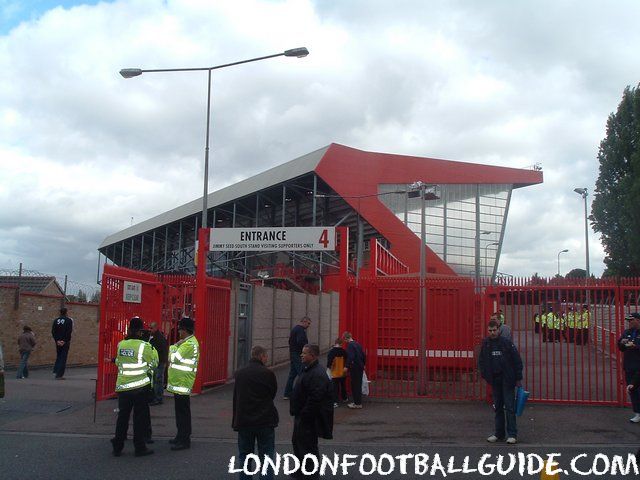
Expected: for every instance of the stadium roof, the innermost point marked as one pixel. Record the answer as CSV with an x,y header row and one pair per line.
x,y
351,173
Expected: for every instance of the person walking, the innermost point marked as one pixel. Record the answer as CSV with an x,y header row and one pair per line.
x,y
336,360
26,344
297,340
255,417
629,345
501,367
356,360
61,332
159,342
183,366
311,406
135,361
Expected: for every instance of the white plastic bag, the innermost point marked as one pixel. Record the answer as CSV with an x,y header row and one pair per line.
x,y
365,384
329,373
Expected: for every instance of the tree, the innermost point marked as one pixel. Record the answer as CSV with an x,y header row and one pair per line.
x,y
577,273
82,297
614,212
95,298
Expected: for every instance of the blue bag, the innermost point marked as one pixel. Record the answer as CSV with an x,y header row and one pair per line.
x,y
521,400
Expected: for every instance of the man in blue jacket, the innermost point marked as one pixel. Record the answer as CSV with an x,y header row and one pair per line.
x,y
629,345
501,366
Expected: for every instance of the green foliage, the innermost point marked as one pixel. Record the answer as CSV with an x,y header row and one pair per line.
x,y
577,273
615,212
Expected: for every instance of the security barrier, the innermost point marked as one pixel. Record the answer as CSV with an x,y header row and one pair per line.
x,y
570,357
163,299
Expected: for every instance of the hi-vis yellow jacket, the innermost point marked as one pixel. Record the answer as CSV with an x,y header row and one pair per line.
x,y
183,365
136,360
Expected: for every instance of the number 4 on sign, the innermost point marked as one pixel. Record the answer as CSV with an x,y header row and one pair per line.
x,y
324,238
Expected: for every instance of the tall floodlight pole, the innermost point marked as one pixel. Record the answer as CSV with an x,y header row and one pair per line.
x,y
423,293
583,192
420,188
134,72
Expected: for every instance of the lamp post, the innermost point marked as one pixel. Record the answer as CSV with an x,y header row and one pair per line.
x,y
134,72
561,251
583,192
420,188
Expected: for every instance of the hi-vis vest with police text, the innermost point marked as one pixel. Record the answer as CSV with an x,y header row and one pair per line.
x,y
136,360
183,365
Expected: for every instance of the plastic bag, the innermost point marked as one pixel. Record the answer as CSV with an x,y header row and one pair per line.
x,y
329,374
521,400
365,384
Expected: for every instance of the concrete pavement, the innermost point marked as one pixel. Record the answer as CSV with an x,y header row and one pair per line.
x,y
40,407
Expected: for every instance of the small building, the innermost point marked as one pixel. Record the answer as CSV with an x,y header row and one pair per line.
x,y
41,285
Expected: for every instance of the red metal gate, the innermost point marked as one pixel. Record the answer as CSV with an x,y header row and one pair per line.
x,y
164,299
576,361
383,313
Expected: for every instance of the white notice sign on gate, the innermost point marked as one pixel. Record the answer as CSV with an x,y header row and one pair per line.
x,y
272,239
132,292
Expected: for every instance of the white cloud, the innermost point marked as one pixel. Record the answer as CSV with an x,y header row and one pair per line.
x,y
506,83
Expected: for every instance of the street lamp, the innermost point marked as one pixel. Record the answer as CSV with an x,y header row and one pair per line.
x,y
134,72
486,257
425,192
561,251
584,192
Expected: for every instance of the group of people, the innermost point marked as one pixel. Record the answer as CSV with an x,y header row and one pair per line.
x,y
61,331
341,362
571,325
141,359
313,392
501,366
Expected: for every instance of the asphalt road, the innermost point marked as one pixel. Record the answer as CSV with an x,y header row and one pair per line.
x,y
69,456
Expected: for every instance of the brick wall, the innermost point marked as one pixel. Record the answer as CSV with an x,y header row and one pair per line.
x,y
39,311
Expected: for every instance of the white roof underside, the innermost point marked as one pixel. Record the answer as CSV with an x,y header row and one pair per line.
x,y
274,176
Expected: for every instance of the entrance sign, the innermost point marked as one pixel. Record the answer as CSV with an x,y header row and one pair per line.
x,y
132,292
271,239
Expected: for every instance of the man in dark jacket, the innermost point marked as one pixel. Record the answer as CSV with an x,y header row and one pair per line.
x,y
159,342
297,340
61,333
501,366
356,361
312,407
254,415
629,344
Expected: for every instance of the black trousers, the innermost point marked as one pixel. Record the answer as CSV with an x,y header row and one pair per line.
x,y
339,389
356,384
138,401
61,359
304,441
182,405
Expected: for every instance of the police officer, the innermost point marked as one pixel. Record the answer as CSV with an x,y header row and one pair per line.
x,y
584,331
135,360
183,365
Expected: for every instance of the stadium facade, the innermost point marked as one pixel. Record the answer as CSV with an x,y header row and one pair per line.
x,y
374,194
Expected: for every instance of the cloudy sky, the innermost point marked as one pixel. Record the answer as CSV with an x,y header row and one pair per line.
x,y
84,152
